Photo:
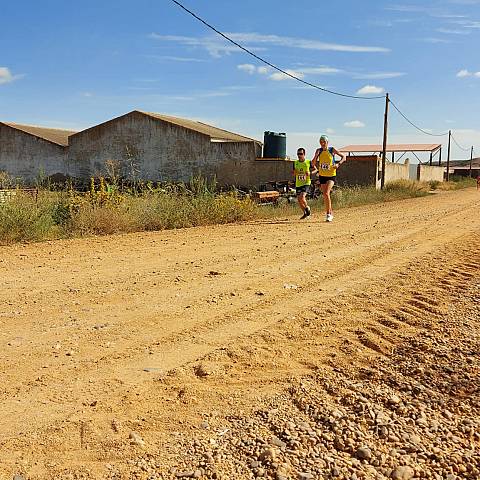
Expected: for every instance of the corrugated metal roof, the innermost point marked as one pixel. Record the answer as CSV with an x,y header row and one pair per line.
x,y
394,147
216,134
53,135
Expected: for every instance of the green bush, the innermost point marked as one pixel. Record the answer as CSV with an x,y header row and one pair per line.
x,y
21,219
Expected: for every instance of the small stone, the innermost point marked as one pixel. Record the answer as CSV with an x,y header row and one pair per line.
x,y
403,473
415,439
268,455
185,474
363,453
201,370
18,477
209,458
278,443
305,476
136,439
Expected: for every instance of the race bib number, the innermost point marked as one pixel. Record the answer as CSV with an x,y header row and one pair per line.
x,y
302,177
325,166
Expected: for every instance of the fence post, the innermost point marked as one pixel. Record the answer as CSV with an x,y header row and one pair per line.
x,y
384,150
448,155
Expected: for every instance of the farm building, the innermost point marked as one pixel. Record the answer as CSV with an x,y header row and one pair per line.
x,y
465,168
29,152
151,146
364,164
138,145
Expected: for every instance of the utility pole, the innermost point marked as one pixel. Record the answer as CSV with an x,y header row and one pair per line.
x,y
471,157
448,156
384,151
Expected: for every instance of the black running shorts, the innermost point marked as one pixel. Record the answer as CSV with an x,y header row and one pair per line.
x,y
324,180
302,189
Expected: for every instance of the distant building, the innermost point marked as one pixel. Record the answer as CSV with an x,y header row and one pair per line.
x,y
29,152
139,146
461,168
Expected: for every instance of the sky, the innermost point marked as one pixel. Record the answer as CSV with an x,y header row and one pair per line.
x,y
76,64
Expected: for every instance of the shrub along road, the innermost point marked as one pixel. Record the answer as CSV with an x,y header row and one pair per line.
x,y
206,351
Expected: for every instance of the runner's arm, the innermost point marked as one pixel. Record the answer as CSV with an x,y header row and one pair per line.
x,y
340,154
314,159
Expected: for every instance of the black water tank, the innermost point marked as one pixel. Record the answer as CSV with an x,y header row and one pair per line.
x,y
274,145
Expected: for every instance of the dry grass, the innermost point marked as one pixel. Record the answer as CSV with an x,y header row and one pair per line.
x,y
102,211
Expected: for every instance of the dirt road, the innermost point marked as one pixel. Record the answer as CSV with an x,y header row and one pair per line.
x,y
155,332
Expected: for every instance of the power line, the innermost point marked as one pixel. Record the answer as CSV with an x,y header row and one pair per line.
x,y
461,148
418,128
266,62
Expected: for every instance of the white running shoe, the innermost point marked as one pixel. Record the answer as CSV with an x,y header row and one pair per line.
x,y
329,217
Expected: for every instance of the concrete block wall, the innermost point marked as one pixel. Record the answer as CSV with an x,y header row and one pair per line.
x,y
393,172
250,172
29,158
358,170
426,173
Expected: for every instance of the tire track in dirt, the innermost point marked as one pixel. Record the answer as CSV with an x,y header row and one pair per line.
x,y
376,252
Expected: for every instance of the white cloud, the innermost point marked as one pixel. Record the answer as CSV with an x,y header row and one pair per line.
x,y
6,76
214,46
451,31
319,70
279,76
247,67
217,47
465,73
449,15
370,90
298,72
436,40
406,8
354,124
251,69
330,131
378,75
302,43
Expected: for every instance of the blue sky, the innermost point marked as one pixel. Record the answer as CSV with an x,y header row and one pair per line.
x,y
74,64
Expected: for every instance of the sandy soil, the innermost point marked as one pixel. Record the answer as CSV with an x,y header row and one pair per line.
x,y
156,332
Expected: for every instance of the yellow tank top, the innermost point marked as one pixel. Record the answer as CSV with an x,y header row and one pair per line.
x,y
326,162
